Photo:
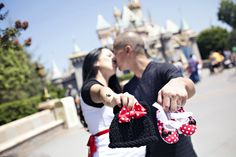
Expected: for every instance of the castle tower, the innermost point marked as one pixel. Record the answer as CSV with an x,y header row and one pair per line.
x,y
135,7
117,14
161,42
77,60
118,23
128,18
191,36
55,74
171,27
184,25
104,31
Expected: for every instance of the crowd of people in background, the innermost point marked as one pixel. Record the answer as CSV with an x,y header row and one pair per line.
x,y
217,62
220,60
190,68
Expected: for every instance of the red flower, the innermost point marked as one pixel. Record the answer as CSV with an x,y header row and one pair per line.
x,y
25,25
16,42
18,24
28,42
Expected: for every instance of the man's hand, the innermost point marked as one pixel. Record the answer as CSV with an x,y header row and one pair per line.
x,y
175,93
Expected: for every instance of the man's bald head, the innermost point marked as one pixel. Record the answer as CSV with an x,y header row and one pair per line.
x,y
129,38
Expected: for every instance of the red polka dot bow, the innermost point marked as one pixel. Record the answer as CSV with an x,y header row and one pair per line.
x,y
127,114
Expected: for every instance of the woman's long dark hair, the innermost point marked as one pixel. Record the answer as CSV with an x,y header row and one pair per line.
x,y
89,71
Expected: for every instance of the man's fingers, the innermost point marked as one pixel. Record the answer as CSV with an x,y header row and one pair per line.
x,y
173,106
166,103
184,101
179,102
159,98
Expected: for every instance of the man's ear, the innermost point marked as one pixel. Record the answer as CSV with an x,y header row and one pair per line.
x,y
128,49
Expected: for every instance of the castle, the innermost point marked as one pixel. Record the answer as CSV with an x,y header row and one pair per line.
x,y
170,43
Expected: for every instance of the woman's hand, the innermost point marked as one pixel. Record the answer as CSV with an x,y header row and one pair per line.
x,y
124,99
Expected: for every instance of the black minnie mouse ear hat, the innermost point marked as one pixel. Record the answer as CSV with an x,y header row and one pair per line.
x,y
136,133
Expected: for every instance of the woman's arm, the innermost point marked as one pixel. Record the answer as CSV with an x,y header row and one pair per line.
x,y
102,94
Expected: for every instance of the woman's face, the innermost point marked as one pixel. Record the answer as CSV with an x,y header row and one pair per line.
x,y
106,62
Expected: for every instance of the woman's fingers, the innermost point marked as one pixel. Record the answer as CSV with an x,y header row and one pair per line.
x,y
126,99
131,100
116,100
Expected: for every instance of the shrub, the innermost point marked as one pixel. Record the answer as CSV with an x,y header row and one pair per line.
x,y
127,76
14,110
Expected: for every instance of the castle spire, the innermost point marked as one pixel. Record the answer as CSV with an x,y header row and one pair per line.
x,y
117,12
102,23
76,46
56,73
171,27
134,4
184,25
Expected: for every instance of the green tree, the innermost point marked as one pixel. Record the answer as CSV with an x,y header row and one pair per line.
x,y
232,39
227,12
18,78
214,38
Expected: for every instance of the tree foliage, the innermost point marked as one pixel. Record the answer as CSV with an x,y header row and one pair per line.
x,y
18,78
232,39
227,12
214,38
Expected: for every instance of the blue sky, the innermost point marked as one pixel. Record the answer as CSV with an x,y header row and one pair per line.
x,y
54,25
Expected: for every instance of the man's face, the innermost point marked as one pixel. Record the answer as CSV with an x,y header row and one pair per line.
x,y
121,58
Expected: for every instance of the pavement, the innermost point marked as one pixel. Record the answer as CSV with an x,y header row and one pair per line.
x,y
214,107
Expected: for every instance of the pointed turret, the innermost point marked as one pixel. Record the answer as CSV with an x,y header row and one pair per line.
x,y
154,31
128,15
163,30
171,27
184,25
134,4
117,13
102,23
104,31
76,47
150,20
56,73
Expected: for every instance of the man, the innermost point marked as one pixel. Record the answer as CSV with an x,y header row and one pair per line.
x,y
154,82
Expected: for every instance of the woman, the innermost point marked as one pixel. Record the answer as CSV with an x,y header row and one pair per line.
x,y
98,99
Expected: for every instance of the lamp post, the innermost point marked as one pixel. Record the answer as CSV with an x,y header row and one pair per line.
x,y
41,73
